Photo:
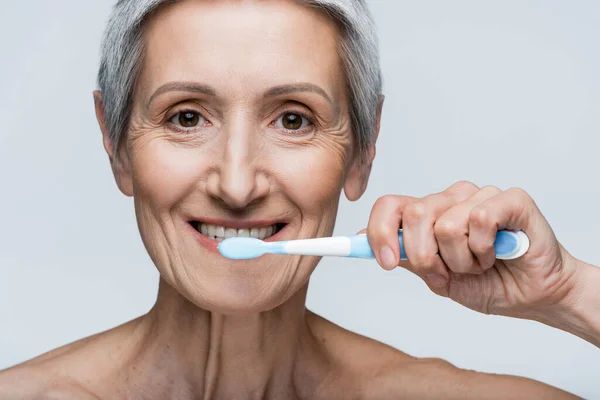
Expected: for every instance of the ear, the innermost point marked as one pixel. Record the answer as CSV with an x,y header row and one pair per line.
x,y
119,162
358,175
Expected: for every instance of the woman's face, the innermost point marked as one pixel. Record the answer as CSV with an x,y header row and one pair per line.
x,y
240,127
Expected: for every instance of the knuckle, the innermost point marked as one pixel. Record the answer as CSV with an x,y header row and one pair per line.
x,y
415,212
461,191
491,189
520,194
520,201
446,228
481,216
465,186
385,201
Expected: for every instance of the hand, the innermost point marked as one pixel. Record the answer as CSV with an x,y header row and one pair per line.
x,y
449,242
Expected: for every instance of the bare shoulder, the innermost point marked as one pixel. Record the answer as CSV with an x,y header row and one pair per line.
x,y
354,351
46,377
17,383
73,371
378,371
29,382
435,378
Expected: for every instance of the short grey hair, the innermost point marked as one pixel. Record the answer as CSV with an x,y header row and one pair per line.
x,y
122,54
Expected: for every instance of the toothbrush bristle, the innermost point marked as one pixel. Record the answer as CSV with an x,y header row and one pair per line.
x,y
241,248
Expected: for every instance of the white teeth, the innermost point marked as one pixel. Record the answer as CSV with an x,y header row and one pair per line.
x,y
229,232
219,233
243,233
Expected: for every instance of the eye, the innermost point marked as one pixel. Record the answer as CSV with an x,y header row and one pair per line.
x,y
292,121
188,119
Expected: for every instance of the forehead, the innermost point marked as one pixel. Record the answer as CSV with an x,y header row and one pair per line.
x,y
242,45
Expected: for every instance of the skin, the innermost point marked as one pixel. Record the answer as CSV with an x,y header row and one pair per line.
x,y
449,238
224,329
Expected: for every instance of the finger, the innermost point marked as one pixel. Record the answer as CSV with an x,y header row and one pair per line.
x,y
382,229
420,244
453,236
512,209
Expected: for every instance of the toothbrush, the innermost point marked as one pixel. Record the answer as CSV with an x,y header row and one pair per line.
x,y
509,245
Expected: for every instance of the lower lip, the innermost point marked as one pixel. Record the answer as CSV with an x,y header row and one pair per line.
x,y
211,244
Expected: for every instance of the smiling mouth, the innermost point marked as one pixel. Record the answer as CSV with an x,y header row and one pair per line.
x,y
219,233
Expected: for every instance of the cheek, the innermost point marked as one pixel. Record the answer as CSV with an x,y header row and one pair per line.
x,y
162,172
312,176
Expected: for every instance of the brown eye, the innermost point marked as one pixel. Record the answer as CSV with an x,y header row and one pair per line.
x,y
188,119
292,121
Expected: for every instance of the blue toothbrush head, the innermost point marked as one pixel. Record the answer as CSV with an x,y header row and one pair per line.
x,y
242,248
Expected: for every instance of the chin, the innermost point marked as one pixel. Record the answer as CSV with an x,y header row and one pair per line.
x,y
253,291
213,283
241,303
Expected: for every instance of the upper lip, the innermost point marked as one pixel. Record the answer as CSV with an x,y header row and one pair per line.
x,y
239,224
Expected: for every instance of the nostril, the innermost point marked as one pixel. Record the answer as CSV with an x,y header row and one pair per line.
x,y
237,186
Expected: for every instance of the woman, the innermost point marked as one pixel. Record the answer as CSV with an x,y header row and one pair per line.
x,y
250,118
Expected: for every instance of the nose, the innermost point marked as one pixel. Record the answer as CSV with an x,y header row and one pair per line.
x,y
238,180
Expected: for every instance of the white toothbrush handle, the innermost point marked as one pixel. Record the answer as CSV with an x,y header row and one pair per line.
x,y
339,246
509,245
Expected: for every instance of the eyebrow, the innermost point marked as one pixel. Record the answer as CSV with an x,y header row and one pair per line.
x,y
207,90
295,88
181,87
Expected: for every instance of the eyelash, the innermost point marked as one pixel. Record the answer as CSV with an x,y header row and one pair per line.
x,y
178,127
293,132
302,115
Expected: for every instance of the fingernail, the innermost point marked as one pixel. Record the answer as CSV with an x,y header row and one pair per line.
x,y
436,280
387,257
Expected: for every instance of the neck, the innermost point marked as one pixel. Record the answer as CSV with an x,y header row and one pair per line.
x,y
208,355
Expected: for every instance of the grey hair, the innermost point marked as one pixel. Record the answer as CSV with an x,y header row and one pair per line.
x,y
122,54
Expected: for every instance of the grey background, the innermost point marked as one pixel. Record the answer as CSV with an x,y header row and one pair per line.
x,y
496,92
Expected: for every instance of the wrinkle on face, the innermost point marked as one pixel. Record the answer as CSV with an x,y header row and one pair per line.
x,y
286,60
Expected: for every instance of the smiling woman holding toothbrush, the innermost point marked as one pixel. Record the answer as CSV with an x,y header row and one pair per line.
x,y
250,119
